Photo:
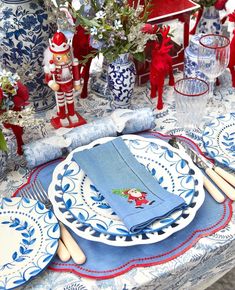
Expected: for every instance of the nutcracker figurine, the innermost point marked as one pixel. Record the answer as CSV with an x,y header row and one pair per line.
x,y
63,77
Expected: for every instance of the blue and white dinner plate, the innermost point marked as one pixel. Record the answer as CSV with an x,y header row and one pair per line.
x,y
219,139
29,236
78,204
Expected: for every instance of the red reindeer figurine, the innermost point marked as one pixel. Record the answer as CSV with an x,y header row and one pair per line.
x,y
231,64
161,66
81,48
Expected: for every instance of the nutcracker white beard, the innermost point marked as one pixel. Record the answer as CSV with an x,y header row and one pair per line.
x,y
66,74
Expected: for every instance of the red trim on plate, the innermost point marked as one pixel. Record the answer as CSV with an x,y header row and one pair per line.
x,y
37,170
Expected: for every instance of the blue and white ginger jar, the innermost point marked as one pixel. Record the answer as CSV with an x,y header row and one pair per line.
x,y
24,35
209,22
121,81
191,59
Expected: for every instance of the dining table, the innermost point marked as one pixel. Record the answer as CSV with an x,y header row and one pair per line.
x,y
200,265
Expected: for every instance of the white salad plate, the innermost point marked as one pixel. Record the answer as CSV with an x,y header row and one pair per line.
x,y
29,236
79,205
219,139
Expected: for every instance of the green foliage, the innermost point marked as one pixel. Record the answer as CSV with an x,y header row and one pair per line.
x,y
139,56
116,27
3,143
206,3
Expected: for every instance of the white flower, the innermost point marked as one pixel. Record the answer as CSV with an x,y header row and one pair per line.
x,y
117,24
94,31
139,10
9,75
100,14
76,5
100,36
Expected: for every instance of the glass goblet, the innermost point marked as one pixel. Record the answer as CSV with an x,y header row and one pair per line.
x,y
190,100
213,58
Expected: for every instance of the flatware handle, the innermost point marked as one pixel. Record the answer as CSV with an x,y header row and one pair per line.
x,y
213,190
62,252
226,175
221,183
75,251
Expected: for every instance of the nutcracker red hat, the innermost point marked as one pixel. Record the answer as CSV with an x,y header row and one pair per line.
x,y
59,43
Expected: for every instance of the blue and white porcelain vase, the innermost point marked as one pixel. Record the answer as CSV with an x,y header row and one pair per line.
x,y
191,59
24,35
121,81
99,82
210,21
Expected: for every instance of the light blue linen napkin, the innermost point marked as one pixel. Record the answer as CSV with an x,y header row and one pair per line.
x,y
132,192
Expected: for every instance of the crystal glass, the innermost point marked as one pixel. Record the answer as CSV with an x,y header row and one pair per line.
x,y
190,99
213,58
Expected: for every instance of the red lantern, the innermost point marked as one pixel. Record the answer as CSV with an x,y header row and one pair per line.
x,y
162,12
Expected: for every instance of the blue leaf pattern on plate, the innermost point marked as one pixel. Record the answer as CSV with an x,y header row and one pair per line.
x,y
219,139
30,225
89,206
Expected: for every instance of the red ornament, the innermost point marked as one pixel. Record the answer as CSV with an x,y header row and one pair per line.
x,y
161,66
22,96
1,96
18,132
149,28
20,100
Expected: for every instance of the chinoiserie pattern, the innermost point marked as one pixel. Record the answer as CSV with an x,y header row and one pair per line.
x,y
210,21
25,29
121,81
190,59
209,259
